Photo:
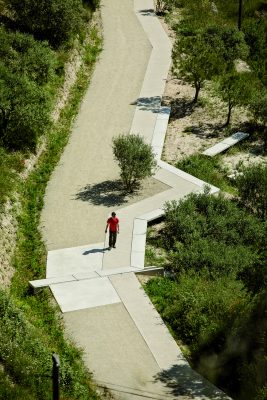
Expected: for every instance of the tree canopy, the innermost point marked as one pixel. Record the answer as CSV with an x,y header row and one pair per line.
x,y
203,54
53,20
135,158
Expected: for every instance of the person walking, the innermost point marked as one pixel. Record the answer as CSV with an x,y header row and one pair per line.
x,y
113,225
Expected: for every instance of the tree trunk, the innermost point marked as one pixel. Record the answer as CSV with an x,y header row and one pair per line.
x,y
197,87
229,114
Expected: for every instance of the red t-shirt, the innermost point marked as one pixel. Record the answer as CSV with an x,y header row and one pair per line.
x,y
113,222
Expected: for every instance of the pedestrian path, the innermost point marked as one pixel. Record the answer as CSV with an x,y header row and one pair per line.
x,y
106,312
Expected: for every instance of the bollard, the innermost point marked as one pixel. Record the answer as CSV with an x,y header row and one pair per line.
x,y
55,376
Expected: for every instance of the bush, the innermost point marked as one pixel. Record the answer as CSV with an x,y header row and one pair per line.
x,y
135,159
53,20
196,308
22,55
26,67
206,168
25,109
212,233
252,189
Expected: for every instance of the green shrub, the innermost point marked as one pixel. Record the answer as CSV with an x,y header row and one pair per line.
x,y
196,308
53,20
25,109
252,188
135,159
23,55
212,233
206,168
26,68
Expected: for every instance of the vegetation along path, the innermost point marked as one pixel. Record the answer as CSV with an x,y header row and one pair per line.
x,y
104,307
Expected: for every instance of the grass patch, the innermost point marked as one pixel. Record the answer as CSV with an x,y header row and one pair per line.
x,y
10,165
155,254
208,169
31,327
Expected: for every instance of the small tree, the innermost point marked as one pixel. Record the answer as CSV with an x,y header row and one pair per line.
x,y
235,89
193,61
200,54
135,159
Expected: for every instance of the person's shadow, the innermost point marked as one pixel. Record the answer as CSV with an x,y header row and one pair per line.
x,y
95,251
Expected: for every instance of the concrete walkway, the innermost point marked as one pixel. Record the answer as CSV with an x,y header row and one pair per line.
x,y
106,312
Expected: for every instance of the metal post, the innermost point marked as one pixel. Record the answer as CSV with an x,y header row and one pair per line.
x,y
55,376
240,14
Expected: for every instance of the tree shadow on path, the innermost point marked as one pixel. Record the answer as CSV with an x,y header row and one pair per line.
x,y
108,193
182,380
147,12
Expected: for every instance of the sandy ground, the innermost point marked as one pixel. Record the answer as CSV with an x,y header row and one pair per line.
x,y
84,186
193,129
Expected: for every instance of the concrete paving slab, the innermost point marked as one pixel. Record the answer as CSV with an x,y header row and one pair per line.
x,y
86,293
152,215
164,112
117,353
139,243
187,177
74,260
87,275
40,283
115,271
225,144
163,347
138,259
218,148
140,226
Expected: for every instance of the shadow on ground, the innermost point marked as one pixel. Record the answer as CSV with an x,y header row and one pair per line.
x,y
108,193
180,108
206,131
92,251
152,104
182,380
147,12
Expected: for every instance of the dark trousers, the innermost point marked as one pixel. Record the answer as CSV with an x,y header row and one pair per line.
x,y
112,238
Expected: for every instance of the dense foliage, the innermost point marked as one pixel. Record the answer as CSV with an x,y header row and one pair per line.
x,y
31,74
26,356
252,189
215,298
26,66
53,20
200,55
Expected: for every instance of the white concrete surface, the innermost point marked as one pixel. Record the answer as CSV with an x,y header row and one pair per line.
x,y
225,144
74,260
86,293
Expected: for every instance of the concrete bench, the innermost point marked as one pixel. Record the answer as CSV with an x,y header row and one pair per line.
x,y
41,283
225,144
